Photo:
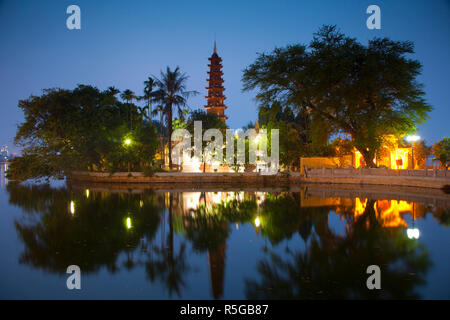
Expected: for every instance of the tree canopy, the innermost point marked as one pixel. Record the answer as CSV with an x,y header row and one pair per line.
x,y
441,150
365,91
171,93
80,129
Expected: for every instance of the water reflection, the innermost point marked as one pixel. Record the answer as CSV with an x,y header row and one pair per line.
x,y
124,231
326,268
3,169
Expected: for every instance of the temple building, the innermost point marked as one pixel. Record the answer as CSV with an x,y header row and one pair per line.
x,y
215,98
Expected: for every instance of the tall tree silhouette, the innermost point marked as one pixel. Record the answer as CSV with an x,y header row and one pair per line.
x,y
128,96
171,94
148,95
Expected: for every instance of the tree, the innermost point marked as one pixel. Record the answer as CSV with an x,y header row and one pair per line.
x,y
112,91
341,148
294,131
209,121
128,96
441,150
148,95
79,129
365,91
172,93
421,153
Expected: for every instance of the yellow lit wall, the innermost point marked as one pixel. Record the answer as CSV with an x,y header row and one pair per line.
x,y
400,158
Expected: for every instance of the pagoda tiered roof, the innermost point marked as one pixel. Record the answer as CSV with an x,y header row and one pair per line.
x,y
215,97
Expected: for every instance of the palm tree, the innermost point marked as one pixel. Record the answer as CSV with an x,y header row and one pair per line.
x,y
112,91
128,96
148,95
172,93
159,108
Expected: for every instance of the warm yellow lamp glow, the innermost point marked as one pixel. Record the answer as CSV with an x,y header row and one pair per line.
x,y
257,222
72,207
129,226
127,142
87,193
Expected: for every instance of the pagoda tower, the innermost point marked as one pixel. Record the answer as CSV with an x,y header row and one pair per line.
x,y
215,97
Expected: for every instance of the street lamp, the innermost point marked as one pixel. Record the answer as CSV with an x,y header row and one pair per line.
x,y
413,233
129,225
72,207
412,139
127,143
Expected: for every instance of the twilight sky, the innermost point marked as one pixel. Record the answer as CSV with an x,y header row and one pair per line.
x,y
121,43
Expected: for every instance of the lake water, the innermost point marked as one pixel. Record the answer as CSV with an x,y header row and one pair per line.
x,y
312,242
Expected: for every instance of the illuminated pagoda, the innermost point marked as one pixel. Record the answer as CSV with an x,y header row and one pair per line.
x,y
215,99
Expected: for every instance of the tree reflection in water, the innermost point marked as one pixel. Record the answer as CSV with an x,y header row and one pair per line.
x,y
207,227
63,226
94,235
334,266
169,267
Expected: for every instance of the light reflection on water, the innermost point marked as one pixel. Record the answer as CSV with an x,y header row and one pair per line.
x,y
234,244
3,169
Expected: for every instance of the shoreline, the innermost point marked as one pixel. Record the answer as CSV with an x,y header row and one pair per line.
x,y
256,179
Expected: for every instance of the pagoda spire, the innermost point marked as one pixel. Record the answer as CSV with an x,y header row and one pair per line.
x,y
215,98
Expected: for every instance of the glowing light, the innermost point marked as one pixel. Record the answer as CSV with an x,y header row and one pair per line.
x,y
127,142
413,233
412,138
257,222
87,193
216,197
191,201
141,203
72,207
399,158
260,197
129,226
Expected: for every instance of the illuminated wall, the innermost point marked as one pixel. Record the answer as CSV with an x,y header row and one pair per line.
x,y
400,158
397,159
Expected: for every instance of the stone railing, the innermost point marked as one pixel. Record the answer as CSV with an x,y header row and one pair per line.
x,y
327,172
380,176
414,178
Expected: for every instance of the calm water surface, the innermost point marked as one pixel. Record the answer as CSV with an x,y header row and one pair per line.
x,y
221,244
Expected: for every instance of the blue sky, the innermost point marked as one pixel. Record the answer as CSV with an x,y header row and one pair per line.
x,y
122,42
